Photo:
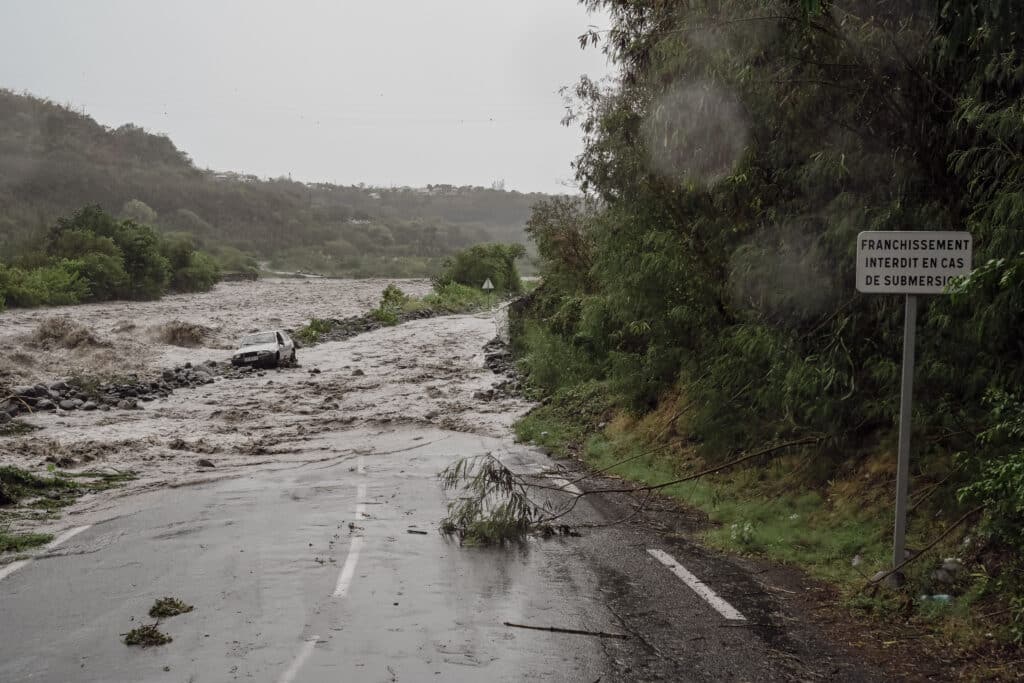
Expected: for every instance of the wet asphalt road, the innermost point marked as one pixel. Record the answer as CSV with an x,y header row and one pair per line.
x,y
286,590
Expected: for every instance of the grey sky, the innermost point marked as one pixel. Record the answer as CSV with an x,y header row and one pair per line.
x,y
387,92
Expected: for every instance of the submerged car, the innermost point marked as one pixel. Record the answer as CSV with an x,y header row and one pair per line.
x,y
265,349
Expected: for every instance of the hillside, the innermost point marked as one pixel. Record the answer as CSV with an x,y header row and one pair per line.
x,y
54,160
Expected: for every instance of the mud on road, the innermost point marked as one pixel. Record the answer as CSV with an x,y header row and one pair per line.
x,y
425,372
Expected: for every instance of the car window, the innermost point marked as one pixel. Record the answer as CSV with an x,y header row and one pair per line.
x,y
279,340
260,338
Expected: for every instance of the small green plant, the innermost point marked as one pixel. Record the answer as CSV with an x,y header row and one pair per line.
x,y
168,607
310,333
16,484
146,636
392,301
18,542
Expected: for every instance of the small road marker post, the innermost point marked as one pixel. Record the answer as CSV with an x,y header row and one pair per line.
x,y
909,262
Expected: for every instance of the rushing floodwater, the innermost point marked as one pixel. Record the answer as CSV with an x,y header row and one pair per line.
x,y
426,372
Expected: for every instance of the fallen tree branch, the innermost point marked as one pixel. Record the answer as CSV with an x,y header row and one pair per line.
x,y
931,544
20,400
575,631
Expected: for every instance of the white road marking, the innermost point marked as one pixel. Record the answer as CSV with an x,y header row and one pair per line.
x,y
70,533
361,465
300,659
361,501
11,568
348,570
700,588
566,485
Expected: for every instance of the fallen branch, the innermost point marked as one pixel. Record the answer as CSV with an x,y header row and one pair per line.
x,y
20,400
931,544
575,631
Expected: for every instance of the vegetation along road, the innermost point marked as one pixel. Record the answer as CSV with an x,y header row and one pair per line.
x,y
683,449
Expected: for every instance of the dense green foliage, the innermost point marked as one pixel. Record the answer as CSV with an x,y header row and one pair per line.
x,y
473,266
95,257
728,171
54,160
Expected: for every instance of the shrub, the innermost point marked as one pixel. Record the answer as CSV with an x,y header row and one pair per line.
x,y
551,362
998,470
200,275
55,285
392,301
455,298
472,266
310,334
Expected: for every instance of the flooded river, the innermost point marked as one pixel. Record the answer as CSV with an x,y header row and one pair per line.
x,y
427,372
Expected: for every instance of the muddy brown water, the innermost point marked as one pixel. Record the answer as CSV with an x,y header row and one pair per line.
x,y
425,372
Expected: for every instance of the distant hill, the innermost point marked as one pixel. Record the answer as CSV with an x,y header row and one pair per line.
x,y
54,160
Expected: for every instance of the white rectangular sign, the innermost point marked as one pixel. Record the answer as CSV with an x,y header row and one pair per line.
x,y
911,261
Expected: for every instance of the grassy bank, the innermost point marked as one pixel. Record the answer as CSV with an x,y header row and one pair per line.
x,y
27,496
787,509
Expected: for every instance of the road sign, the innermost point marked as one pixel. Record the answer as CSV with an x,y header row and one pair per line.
x,y
488,285
911,262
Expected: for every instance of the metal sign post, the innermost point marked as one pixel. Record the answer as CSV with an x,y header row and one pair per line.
x,y
488,287
906,412
909,263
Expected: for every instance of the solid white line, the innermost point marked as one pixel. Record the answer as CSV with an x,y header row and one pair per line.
x,y
11,568
349,569
70,533
700,588
566,485
300,659
66,536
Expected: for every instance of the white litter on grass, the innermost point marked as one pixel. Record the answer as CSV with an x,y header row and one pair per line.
x,y
699,587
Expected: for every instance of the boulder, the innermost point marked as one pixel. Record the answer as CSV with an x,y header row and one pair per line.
x,y
89,405
69,404
45,404
203,462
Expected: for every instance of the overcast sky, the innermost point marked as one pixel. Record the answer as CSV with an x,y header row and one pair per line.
x,y
386,92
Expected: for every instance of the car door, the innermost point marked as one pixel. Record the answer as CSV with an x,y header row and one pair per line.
x,y
287,344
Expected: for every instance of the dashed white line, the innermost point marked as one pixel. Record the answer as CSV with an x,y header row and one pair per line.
x,y
70,533
300,659
361,465
699,587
